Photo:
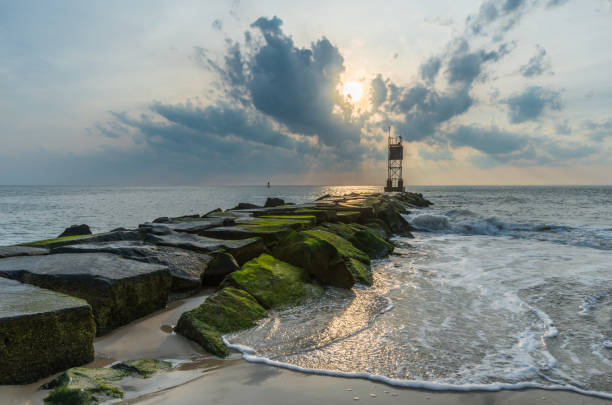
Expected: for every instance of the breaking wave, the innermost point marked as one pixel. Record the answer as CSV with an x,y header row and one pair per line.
x,y
467,222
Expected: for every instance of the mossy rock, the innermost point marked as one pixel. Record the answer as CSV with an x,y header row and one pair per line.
x,y
274,283
82,385
327,257
48,243
144,368
348,216
271,230
218,268
228,310
310,218
41,332
344,247
380,227
362,237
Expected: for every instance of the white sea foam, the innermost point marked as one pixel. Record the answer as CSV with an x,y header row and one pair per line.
x,y
428,385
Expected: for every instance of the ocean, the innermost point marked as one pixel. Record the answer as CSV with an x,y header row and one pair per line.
x,y
502,287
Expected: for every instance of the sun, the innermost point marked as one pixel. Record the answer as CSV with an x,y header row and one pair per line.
x,y
352,91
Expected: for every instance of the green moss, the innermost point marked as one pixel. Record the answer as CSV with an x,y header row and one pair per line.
x,y
81,385
274,283
362,237
46,242
203,334
143,367
228,310
360,271
310,218
344,247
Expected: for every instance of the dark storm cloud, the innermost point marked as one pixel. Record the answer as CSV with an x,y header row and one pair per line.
x,y
532,103
537,65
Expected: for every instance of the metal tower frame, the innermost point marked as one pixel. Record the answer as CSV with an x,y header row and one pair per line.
x,y
394,167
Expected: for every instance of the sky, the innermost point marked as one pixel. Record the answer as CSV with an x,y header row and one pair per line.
x,y
236,92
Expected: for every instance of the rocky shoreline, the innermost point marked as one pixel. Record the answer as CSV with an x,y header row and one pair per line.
x,y
259,258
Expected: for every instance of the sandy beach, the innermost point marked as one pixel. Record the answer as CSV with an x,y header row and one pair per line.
x,y
200,378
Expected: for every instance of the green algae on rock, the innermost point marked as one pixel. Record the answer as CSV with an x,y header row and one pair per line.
x,y
274,283
144,368
48,243
228,310
85,386
362,237
41,332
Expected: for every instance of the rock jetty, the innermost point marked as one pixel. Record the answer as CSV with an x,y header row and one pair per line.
x,y
57,294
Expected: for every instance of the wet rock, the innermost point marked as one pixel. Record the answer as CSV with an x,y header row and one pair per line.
x,y
213,212
10,251
274,283
81,385
120,229
390,215
245,206
119,290
273,202
228,310
348,216
323,197
363,238
144,368
161,220
219,267
41,332
271,230
75,230
186,267
327,257
195,226
242,250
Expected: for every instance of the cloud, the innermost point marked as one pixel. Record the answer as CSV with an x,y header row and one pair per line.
x,y
436,155
506,147
379,91
429,70
537,64
465,66
217,25
531,104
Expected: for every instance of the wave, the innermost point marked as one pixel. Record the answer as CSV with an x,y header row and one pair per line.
x,y
467,222
249,355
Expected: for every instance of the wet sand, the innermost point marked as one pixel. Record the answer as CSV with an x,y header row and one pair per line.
x,y
200,378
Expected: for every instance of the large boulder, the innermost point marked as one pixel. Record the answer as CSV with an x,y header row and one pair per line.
x,y
391,215
41,332
327,257
218,268
274,283
245,206
75,230
119,290
273,202
243,249
362,237
228,310
186,267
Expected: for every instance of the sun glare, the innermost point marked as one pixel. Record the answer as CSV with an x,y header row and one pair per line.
x,y
352,91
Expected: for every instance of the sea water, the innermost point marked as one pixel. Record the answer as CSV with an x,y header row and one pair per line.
x,y
502,287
